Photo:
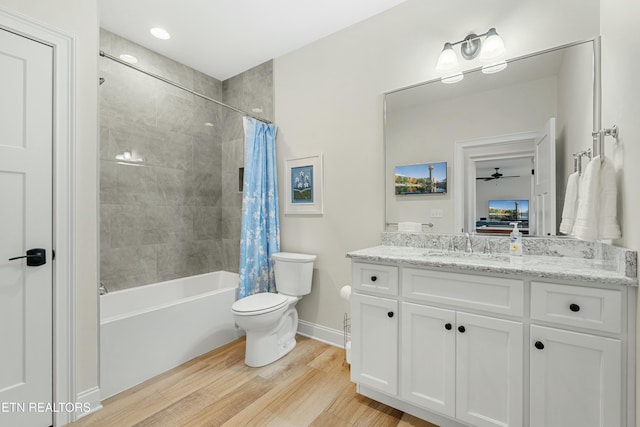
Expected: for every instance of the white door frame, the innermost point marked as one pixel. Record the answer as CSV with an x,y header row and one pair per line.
x,y
64,225
465,174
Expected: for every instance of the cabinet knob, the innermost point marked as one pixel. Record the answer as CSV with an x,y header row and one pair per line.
x,y
390,314
539,345
574,307
374,278
461,329
448,326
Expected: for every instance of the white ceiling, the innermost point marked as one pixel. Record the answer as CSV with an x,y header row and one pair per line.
x,y
223,38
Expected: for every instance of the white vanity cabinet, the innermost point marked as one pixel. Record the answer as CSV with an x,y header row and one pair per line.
x,y
463,365
374,327
575,377
471,349
374,342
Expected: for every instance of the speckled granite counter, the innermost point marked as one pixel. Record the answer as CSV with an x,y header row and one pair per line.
x,y
549,267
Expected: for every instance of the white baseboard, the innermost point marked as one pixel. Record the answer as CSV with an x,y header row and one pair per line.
x,y
89,399
321,333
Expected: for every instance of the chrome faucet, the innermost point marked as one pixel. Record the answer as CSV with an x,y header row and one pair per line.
x,y
102,289
468,247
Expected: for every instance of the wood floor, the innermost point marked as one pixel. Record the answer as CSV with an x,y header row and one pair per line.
x,y
308,387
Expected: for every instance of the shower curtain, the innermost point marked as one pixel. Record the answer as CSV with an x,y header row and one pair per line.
x,y
260,235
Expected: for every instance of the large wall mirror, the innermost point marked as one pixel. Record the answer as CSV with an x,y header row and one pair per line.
x,y
493,148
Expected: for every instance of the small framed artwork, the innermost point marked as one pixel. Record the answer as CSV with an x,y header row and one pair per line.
x,y
303,185
424,178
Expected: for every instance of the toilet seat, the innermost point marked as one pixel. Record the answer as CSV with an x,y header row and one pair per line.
x,y
261,303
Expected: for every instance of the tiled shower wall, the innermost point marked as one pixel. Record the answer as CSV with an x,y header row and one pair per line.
x,y
176,212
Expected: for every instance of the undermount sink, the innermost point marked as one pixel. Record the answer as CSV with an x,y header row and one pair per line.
x,y
467,255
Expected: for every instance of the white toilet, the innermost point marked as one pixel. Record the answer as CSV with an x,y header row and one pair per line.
x,y
271,320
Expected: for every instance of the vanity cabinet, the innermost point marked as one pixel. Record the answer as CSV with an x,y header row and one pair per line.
x,y
575,377
462,365
465,349
374,342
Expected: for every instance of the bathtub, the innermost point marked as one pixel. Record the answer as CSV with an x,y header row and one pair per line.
x,y
150,329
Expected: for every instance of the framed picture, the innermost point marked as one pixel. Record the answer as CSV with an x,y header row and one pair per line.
x,y
303,185
424,178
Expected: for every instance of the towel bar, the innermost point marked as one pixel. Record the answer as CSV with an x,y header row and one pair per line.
x,y
598,137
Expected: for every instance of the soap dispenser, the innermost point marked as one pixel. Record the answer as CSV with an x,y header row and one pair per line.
x,y
515,247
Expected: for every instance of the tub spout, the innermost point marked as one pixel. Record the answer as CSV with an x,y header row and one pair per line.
x,y
102,289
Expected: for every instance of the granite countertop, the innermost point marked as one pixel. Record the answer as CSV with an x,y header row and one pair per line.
x,y
536,266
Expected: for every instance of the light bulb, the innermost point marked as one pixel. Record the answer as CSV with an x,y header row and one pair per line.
x,y
492,48
447,61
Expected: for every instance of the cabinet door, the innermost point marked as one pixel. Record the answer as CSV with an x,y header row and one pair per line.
x,y
374,342
575,379
489,363
428,357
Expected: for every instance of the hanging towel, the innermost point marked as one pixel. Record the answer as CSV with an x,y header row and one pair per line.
x,y
586,223
570,204
608,227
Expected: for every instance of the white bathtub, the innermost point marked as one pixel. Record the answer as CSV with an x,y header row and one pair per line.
x,y
147,330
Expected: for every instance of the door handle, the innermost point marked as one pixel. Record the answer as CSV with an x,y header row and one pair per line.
x,y
35,257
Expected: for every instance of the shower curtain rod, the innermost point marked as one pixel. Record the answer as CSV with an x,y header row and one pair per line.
x,y
172,83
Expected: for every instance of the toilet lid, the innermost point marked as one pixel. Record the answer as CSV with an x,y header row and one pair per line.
x,y
259,303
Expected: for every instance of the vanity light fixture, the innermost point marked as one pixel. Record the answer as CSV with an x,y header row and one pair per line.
x,y
491,53
160,33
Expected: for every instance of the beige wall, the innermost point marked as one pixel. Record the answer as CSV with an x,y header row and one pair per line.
x,y
328,98
621,106
79,18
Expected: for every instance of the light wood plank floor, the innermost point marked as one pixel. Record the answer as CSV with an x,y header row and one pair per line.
x,y
308,387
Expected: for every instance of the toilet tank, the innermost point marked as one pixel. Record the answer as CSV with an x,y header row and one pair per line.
x,y
293,273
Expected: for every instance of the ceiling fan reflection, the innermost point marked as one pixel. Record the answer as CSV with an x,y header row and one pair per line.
x,y
496,175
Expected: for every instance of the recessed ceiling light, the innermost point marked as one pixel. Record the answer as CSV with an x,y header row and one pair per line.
x,y
208,124
257,110
129,58
160,33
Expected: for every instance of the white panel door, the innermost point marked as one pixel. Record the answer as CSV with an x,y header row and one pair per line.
x,y
545,180
428,362
489,383
26,99
575,379
374,342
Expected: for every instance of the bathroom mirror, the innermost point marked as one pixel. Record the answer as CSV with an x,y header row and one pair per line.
x,y
487,128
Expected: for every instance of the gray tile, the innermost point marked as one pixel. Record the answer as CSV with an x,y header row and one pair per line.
x,y
207,155
108,182
206,222
207,85
174,113
205,189
230,222
172,185
231,255
104,142
137,185
118,263
106,213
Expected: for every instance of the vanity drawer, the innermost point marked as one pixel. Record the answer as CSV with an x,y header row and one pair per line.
x,y
492,294
592,308
380,279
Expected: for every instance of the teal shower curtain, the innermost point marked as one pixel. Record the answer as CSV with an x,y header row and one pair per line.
x,y
260,236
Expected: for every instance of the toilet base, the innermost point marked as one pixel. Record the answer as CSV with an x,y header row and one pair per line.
x,y
265,347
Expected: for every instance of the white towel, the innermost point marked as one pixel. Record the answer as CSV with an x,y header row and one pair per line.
x,y
586,223
410,227
570,203
608,227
